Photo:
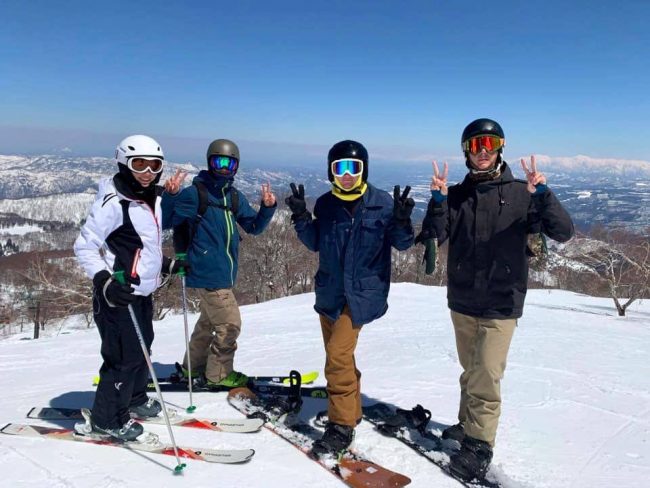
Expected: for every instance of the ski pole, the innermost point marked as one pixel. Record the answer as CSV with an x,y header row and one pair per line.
x,y
182,273
119,277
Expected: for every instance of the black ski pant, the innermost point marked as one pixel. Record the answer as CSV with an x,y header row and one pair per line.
x,y
124,375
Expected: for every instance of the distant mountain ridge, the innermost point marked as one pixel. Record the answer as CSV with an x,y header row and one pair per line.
x,y
593,190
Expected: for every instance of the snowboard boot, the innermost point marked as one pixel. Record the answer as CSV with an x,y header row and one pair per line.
x,y
336,439
150,408
472,460
455,432
233,380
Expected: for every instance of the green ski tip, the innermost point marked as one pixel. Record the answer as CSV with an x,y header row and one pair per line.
x,y
95,380
179,468
190,409
305,378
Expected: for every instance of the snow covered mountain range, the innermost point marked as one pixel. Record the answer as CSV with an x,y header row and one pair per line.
x,y
594,190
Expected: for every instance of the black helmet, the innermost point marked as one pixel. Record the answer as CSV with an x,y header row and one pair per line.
x,y
347,150
223,147
482,127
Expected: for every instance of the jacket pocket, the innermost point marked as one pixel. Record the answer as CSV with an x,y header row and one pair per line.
x,y
321,279
372,233
370,283
461,274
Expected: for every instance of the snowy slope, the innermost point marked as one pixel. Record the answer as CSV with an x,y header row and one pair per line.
x,y
576,411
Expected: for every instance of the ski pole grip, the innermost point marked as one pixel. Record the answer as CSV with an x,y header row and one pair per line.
x,y
183,256
119,277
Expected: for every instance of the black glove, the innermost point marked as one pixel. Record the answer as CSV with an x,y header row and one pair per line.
x,y
174,266
296,202
425,234
115,293
402,206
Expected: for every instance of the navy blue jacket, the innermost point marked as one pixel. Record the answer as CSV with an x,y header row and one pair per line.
x,y
354,253
214,252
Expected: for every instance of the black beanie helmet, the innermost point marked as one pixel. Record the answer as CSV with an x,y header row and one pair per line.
x,y
347,150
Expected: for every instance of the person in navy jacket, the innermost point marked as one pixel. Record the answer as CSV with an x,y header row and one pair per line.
x,y
353,228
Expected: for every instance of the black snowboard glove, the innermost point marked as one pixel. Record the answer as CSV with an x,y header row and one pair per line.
x,y
296,203
115,293
174,266
402,206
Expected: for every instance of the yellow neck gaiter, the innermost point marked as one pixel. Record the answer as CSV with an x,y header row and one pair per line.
x,y
349,195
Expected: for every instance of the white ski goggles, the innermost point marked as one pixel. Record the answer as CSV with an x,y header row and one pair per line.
x,y
142,165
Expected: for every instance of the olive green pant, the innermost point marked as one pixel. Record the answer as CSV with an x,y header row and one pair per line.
x,y
214,340
482,346
343,377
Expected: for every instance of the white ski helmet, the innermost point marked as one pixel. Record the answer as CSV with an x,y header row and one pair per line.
x,y
138,146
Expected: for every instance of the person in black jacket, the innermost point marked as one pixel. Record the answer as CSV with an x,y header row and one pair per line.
x,y
487,218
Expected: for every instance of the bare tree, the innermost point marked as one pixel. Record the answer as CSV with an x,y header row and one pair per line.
x,y
622,261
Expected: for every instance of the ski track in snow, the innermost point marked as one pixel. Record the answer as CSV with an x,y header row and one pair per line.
x,y
576,409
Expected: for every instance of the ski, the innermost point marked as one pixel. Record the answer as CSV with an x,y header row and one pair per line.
x,y
409,427
177,420
227,456
351,468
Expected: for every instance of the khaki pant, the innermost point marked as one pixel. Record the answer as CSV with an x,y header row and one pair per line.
x,y
482,351
214,340
343,377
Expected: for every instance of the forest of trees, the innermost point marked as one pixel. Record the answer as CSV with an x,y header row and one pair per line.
x,y
39,287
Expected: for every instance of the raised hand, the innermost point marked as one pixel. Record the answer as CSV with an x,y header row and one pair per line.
x,y
173,183
268,198
296,201
439,181
533,177
402,205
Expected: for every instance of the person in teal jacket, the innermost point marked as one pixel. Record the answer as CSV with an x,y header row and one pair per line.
x,y
212,243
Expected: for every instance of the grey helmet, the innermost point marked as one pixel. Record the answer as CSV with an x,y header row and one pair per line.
x,y
222,147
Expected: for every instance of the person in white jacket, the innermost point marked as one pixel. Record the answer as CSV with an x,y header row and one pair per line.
x,y
123,233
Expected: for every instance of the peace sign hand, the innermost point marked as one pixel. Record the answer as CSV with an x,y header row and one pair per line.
x,y
439,181
173,183
532,176
268,198
402,206
296,202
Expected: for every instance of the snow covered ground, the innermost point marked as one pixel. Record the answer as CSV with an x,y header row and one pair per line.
x,y
576,395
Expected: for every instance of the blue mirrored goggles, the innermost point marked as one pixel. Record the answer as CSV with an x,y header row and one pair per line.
x,y
352,166
224,162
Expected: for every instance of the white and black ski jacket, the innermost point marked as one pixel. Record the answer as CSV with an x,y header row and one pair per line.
x,y
122,233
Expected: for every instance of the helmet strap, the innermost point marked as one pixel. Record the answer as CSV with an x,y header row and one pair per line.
x,y
485,175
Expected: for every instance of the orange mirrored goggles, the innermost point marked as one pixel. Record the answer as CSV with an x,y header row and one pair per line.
x,y
489,143
140,165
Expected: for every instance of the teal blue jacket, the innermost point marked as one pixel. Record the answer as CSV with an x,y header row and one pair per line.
x,y
214,252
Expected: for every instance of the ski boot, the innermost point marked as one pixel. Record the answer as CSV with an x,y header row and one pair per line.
x,y
129,432
336,439
150,408
472,460
454,432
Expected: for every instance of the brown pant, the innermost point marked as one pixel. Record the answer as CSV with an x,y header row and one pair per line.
x,y
214,340
343,377
482,351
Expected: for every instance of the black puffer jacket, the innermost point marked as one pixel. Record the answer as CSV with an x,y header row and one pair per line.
x,y
487,225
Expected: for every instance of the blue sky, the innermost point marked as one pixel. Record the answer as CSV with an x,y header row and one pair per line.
x,y
404,78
